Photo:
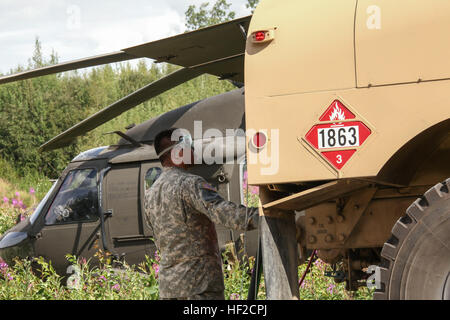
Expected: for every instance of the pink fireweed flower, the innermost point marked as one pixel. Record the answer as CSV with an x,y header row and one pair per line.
x,y
234,296
156,268
116,287
254,190
101,281
3,266
14,202
5,200
157,257
32,191
318,263
303,285
17,194
10,277
245,179
330,288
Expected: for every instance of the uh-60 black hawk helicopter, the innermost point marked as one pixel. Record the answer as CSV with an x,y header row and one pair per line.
x,y
99,196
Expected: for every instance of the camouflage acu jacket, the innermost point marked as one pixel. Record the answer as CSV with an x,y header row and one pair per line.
x,y
182,208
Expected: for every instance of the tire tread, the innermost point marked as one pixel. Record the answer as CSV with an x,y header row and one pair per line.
x,y
402,228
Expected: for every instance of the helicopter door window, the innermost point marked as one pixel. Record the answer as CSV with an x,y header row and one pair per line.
x,y
151,176
77,199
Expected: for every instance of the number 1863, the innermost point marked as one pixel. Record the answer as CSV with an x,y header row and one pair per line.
x,y
338,137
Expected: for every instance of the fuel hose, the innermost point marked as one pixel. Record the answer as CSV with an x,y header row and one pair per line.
x,y
307,268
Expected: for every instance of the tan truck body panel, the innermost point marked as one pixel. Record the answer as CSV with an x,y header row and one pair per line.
x,y
386,61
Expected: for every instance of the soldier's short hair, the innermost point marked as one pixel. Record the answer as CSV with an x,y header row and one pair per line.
x,y
158,138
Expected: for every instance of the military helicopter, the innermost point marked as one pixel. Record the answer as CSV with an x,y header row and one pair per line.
x,y
99,196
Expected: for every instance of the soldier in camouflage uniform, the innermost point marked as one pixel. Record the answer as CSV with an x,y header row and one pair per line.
x,y
182,209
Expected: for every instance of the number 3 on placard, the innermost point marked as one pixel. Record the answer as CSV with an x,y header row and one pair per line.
x,y
339,159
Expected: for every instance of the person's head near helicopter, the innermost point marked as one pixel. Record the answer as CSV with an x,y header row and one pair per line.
x,y
174,148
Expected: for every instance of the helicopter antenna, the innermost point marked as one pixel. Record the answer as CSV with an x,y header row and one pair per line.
x,y
128,138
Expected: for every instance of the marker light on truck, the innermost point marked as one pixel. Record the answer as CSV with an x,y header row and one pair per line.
x,y
259,140
260,35
263,36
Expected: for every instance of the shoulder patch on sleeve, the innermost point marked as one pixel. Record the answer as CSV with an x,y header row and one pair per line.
x,y
207,186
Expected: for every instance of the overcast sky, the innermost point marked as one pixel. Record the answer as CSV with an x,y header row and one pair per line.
x,y
82,28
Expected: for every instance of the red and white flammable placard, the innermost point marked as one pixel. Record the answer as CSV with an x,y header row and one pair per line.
x,y
338,141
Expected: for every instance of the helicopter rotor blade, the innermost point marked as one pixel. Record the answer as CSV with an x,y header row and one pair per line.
x,y
186,50
151,90
227,68
67,66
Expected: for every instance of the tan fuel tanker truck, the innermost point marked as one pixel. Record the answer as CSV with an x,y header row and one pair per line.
x,y
349,102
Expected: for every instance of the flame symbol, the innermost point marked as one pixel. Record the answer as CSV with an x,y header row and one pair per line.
x,y
338,113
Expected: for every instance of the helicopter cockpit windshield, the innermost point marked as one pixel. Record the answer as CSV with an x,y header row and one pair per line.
x,y
77,199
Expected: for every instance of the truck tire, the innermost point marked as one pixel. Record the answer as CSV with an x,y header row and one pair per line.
x,y
416,259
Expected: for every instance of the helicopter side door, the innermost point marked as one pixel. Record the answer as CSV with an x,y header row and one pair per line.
x,y
70,221
127,231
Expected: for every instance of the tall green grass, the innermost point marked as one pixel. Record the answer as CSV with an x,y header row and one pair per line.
x,y
11,181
